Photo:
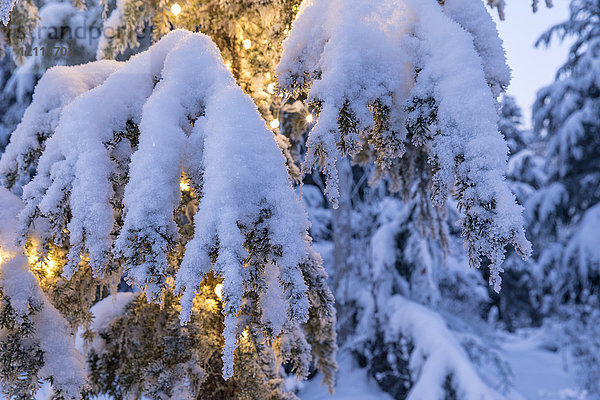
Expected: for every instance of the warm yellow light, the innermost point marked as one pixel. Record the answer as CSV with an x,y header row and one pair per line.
x,y
176,9
309,118
268,75
274,124
244,334
48,265
32,258
219,291
184,185
228,65
271,88
4,256
247,43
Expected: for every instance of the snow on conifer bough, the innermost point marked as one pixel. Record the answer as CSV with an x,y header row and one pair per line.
x,y
108,193
35,338
160,170
411,86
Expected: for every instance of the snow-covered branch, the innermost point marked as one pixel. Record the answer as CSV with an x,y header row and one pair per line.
x,y
35,338
437,363
411,86
109,182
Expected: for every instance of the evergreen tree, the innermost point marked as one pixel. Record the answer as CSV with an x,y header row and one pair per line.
x,y
368,111
376,77
565,212
511,125
85,202
164,190
525,171
247,32
35,339
566,209
12,108
520,302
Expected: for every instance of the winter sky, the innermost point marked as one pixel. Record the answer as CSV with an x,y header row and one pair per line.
x,y
532,67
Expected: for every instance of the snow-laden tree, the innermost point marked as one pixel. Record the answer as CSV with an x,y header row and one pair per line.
x,y
35,339
525,171
248,33
510,125
566,210
407,89
392,262
396,83
520,301
132,151
406,273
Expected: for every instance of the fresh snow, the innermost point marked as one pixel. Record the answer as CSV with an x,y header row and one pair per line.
x,y
344,55
349,57
231,159
62,362
56,89
353,383
539,374
103,313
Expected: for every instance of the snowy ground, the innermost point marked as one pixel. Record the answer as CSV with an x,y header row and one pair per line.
x,y
539,374
352,383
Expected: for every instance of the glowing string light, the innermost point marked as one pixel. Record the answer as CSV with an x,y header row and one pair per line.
x,y
47,264
309,118
219,291
184,185
3,256
247,43
271,88
176,9
32,258
274,124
